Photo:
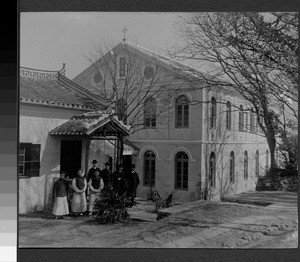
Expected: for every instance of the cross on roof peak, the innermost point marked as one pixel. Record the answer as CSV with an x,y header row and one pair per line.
x,y
124,30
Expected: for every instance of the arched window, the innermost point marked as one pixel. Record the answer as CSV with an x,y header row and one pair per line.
x,y
251,120
231,167
182,111
267,160
149,168
213,113
212,169
121,110
150,112
246,165
260,118
257,163
122,67
228,115
245,127
181,170
256,124
241,119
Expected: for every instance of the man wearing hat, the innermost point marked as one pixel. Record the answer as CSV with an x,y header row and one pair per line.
x,y
91,173
92,170
119,180
132,182
106,176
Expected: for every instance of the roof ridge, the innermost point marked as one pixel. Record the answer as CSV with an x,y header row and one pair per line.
x,y
39,73
148,50
175,62
54,103
83,89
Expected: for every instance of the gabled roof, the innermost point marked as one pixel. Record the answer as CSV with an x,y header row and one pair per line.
x,y
181,70
53,88
165,61
96,123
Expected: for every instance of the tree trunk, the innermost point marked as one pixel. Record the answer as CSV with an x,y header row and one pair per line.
x,y
272,145
120,150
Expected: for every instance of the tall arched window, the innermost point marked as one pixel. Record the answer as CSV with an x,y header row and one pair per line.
x,y
257,163
256,124
122,67
212,170
245,127
267,160
251,120
241,119
149,168
231,167
261,120
246,165
182,111
150,112
181,170
213,113
228,115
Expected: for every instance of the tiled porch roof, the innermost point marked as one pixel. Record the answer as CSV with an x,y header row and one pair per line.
x,y
92,124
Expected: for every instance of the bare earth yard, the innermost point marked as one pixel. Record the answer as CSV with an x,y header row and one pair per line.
x,y
213,225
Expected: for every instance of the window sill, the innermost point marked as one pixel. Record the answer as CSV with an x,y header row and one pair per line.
x,y
181,127
23,177
184,189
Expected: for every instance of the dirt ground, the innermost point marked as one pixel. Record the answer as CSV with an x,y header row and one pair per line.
x,y
223,224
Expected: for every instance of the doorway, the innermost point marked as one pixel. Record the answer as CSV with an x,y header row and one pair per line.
x,y
70,157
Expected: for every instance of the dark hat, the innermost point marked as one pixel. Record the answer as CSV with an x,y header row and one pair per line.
x,y
94,161
107,164
132,165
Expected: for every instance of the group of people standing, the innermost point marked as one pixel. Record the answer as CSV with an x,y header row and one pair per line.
x,y
77,190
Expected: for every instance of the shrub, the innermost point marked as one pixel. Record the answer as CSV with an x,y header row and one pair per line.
x,y
112,208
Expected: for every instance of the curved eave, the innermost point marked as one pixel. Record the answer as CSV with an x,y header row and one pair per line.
x,y
55,104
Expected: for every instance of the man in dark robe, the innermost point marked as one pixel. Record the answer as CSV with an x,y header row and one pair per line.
x,y
106,176
132,182
119,180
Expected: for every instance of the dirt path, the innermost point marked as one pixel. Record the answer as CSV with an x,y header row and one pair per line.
x,y
210,225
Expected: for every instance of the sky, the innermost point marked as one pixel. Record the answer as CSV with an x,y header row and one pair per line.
x,y
49,39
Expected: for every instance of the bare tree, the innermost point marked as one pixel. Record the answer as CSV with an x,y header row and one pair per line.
x,y
251,53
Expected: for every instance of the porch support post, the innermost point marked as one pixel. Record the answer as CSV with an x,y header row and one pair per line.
x,y
87,153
